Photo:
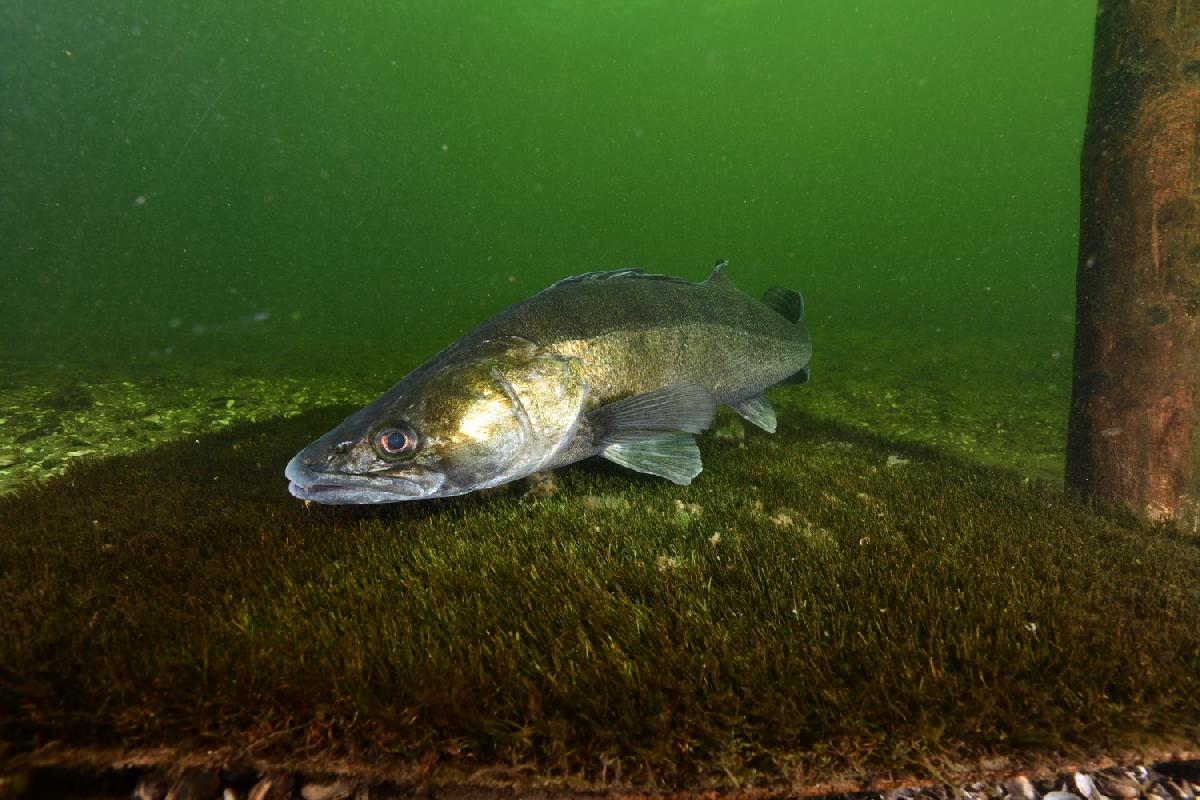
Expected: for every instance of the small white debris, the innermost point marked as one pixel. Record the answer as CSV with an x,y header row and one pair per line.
x,y
781,519
152,786
896,461
338,790
1020,788
1085,785
1061,796
194,784
1126,789
605,502
542,486
273,786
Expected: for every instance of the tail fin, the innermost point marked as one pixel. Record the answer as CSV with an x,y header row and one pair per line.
x,y
790,305
787,302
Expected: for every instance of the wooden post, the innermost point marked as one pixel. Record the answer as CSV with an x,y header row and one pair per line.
x,y
1134,433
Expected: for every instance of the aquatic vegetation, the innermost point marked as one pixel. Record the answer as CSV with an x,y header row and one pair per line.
x,y
907,617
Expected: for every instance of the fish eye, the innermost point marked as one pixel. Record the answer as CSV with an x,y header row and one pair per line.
x,y
396,441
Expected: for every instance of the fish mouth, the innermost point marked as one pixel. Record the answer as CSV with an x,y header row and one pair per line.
x,y
309,484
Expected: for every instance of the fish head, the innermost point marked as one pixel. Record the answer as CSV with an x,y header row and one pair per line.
x,y
462,422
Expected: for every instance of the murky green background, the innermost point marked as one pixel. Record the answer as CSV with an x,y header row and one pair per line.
x,y
391,171
298,187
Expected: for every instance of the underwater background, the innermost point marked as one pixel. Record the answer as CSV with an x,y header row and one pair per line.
x,y
239,210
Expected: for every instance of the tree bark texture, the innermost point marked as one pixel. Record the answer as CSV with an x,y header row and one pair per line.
x,y
1134,433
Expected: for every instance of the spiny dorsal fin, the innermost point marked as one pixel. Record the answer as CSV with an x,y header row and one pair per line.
x,y
632,272
716,278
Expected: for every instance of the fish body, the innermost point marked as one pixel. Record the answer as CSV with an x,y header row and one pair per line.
x,y
621,364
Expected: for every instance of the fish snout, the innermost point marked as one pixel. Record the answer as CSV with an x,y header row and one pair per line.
x,y
307,481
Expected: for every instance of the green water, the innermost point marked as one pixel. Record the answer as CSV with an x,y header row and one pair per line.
x,y
300,189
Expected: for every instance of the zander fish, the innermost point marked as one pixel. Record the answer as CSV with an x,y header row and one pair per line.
x,y
622,364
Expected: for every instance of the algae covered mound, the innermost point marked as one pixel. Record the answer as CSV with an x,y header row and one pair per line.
x,y
817,601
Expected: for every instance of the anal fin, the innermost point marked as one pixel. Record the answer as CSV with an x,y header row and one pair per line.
x,y
757,409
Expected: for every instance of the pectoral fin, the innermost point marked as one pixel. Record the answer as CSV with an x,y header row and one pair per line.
x,y
757,409
679,407
651,432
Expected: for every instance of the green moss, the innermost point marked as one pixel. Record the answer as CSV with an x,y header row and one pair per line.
x,y
817,610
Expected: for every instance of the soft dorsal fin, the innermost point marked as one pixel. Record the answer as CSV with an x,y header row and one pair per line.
x,y
717,278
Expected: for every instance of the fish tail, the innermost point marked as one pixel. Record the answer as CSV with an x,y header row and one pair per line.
x,y
787,302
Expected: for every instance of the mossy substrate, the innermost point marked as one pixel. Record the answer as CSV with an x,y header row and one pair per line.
x,y
817,603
